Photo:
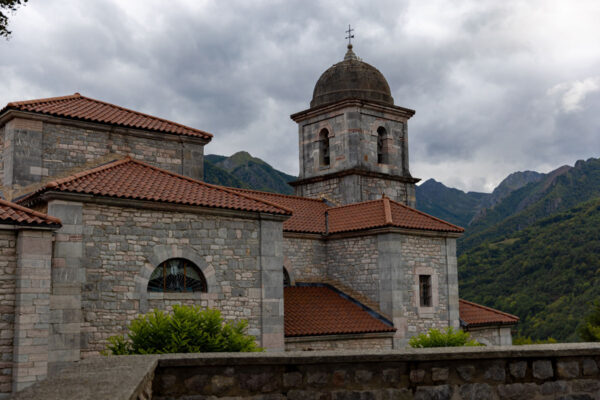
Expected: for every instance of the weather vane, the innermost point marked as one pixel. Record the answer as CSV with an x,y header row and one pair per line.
x,y
350,35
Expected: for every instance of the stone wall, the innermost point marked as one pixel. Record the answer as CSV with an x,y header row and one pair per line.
x,y
34,150
492,336
353,262
421,255
305,259
340,342
8,265
356,188
353,141
353,136
32,307
560,372
122,246
545,372
402,258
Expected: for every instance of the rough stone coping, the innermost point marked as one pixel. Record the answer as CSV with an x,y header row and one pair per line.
x,y
121,377
101,378
355,356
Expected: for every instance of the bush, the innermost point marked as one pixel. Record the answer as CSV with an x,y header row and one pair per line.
x,y
589,330
189,329
449,337
521,340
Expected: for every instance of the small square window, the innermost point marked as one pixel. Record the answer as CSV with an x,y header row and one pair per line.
x,y
425,290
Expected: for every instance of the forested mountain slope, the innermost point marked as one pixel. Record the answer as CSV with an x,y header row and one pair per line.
x,y
244,171
547,274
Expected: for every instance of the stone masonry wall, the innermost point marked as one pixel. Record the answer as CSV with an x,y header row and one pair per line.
x,y
8,265
423,256
356,188
492,336
540,372
353,141
423,374
122,246
305,259
356,343
353,263
35,150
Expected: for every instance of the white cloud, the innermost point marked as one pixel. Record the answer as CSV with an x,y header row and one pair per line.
x,y
573,94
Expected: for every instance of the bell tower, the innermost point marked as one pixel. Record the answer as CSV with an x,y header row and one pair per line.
x,y
353,139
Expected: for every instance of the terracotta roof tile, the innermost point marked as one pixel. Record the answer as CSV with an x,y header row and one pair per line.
x,y
473,314
308,214
14,214
86,109
132,179
321,310
381,213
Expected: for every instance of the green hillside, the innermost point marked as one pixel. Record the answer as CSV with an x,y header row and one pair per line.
x,y
557,192
547,274
244,171
449,204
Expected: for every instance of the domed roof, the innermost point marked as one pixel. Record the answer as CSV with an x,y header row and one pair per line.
x,y
351,79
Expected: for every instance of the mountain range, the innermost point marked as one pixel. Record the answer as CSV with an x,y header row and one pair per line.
x,y
241,170
531,247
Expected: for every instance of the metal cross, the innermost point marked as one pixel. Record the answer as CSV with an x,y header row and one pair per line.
x,y
350,35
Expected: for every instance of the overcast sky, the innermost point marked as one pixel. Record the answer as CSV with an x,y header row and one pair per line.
x,y
498,86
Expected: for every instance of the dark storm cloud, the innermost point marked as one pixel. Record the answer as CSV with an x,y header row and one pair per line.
x,y
497,86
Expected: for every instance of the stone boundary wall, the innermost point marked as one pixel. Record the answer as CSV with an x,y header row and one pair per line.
x,y
557,371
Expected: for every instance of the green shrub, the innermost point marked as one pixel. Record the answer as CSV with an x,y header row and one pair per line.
x,y
449,337
189,329
589,330
521,340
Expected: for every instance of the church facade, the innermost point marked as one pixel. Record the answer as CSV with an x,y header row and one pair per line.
x,y
106,216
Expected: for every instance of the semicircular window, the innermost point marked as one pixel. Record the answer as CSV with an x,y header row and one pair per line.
x,y
177,275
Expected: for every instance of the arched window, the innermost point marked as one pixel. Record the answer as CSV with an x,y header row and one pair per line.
x,y
286,278
324,147
177,275
382,146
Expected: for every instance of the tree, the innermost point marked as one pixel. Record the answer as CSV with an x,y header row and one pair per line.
x,y
7,6
189,329
589,330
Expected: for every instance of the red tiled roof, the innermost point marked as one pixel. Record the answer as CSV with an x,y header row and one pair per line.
x,y
473,314
308,214
84,108
320,310
381,213
133,179
14,214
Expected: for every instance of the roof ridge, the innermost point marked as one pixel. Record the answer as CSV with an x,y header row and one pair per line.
x,y
115,106
355,204
217,187
145,115
30,211
489,308
387,210
127,159
187,178
44,100
80,174
280,195
427,215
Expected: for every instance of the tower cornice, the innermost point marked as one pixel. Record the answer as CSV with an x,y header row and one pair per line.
x,y
401,112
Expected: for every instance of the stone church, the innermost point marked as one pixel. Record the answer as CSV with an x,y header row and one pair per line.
x,y
105,216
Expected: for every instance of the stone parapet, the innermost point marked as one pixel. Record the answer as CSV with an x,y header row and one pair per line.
x,y
558,371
